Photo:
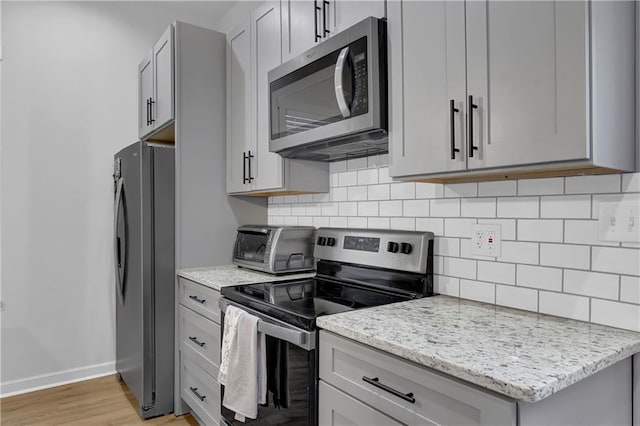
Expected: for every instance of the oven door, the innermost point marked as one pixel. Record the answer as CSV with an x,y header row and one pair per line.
x,y
253,247
292,374
330,91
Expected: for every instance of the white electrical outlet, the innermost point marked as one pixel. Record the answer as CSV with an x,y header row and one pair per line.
x,y
486,240
619,221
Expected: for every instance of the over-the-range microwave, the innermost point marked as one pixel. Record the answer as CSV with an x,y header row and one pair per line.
x,y
330,103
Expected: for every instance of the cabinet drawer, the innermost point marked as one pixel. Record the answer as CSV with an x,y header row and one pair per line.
x,y
336,408
200,391
200,340
381,380
203,300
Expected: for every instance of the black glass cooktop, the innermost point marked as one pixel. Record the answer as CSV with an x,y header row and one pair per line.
x,y
300,302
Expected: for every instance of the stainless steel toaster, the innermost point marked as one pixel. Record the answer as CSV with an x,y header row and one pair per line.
x,y
275,249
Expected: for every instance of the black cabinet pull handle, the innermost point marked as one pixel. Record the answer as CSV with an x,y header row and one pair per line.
x,y
315,20
148,112
325,31
196,341
197,299
245,179
151,102
249,157
195,392
376,382
452,115
471,106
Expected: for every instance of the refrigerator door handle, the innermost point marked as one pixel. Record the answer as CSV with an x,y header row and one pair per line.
x,y
119,254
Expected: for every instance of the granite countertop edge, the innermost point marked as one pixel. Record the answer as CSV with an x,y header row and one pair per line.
x,y
216,277
532,393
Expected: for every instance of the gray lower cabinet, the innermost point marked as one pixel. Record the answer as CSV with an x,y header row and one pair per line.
x,y
364,386
199,350
403,391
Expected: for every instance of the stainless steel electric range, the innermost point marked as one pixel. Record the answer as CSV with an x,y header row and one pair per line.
x,y
356,268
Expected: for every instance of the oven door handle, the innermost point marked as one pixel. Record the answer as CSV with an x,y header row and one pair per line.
x,y
271,328
338,81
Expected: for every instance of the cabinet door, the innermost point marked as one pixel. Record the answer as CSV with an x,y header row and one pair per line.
x,y
266,53
349,12
163,106
526,72
427,72
239,118
145,94
300,19
336,408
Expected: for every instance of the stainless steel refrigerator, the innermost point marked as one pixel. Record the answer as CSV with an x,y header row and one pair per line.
x,y
144,234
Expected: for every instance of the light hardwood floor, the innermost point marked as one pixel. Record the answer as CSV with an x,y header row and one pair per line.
x,y
103,401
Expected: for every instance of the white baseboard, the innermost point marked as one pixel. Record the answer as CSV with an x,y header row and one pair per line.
x,y
44,381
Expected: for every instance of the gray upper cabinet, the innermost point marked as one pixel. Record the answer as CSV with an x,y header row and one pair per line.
x,y
156,105
349,12
253,48
305,23
510,88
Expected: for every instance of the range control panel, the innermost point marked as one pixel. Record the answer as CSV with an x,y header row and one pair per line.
x,y
400,250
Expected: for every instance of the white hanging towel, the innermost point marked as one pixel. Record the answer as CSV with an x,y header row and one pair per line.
x,y
243,364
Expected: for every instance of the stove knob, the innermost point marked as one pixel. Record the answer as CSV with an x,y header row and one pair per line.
x,y
392,247
405,248
331,241
322,241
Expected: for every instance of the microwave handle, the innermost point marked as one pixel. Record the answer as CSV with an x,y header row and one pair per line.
x,y
339,82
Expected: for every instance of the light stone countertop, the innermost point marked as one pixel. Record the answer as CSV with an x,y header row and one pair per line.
x,y
524,355
217,277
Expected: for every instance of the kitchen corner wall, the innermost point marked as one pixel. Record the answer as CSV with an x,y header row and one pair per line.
x,y
552,261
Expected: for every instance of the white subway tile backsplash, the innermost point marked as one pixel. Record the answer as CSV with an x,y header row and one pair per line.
x,y
519,252
497,272
356,193
404,223
403,190
631,182
525,207
517,297
429,190
416,208
592,184
457,190
458,227
566,207
604,286
378,223
391,208
368,177
461,268
507,227
446,285
630,289
539,277
478,290
616,260
357,222
478,207
565,256
499,188
540,230
430,224
446,247
549,186
615,314
550,246
379,192
368,208
445,208
348,208
564,305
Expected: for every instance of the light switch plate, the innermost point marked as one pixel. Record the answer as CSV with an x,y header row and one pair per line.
x,y
486,240
619,221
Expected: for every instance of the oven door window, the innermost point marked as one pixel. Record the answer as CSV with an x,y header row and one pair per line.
x,y
251,246
328,90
